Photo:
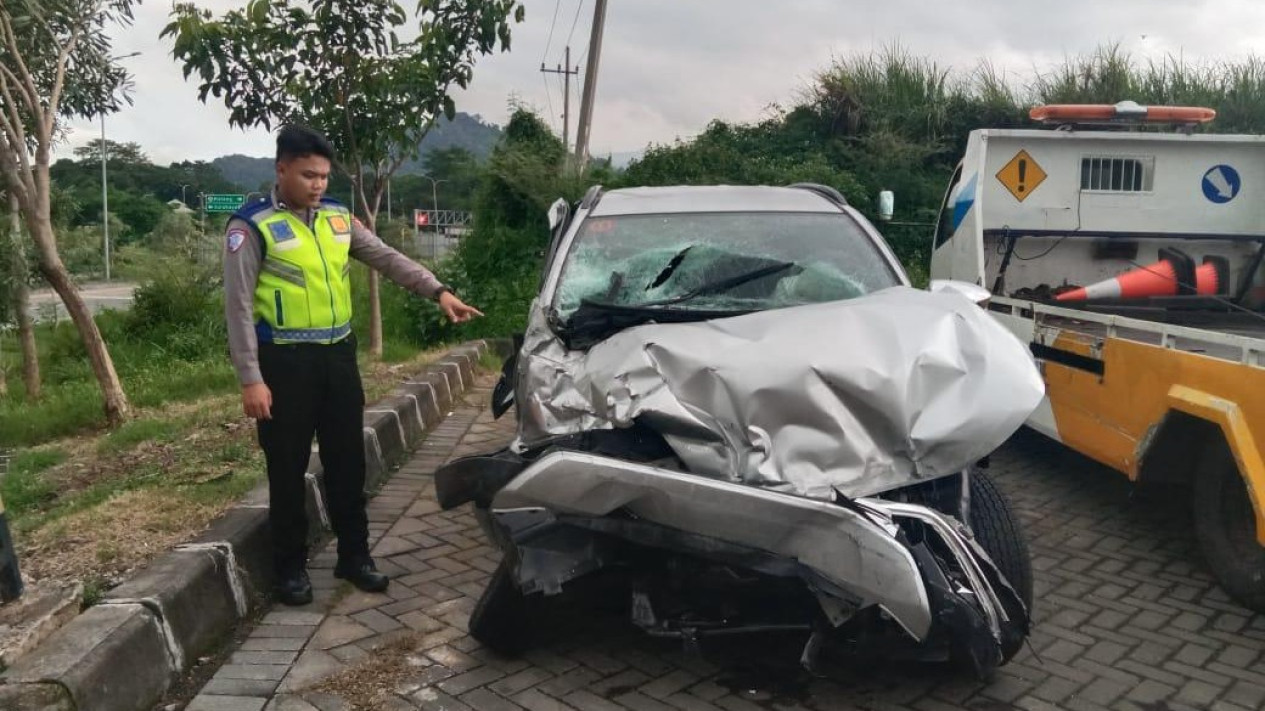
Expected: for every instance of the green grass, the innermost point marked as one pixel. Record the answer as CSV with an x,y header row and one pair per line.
x,y
24,488
75,407
87,498
34,501
138,431
491,362
94,590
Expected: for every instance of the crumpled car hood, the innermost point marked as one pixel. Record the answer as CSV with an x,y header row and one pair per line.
x,y
858,396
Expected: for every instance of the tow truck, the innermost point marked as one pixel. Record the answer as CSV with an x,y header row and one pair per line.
x,y
1126,247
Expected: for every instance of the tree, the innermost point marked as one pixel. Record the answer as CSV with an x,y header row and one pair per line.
x,y
15,280
55,64
126,153
344,68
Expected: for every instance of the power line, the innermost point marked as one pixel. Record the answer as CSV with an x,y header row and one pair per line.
x,y
548,44
549,97
574,20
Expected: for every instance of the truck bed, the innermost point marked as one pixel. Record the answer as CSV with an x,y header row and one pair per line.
x,y
1226,336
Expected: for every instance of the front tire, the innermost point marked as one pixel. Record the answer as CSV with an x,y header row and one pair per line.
x,y
999,533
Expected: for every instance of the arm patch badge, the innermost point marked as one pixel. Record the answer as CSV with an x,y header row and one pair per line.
x,y
235,239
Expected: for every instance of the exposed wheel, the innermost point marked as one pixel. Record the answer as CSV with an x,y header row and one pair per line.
x,y
504,618
998,532
1225,524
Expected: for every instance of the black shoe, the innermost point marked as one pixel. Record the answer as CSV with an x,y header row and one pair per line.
x,y
363,574
294,588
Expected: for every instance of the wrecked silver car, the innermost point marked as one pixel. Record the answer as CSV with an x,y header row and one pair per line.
x,y
732,398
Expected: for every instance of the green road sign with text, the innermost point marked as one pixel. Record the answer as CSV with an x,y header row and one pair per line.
x,y
224,203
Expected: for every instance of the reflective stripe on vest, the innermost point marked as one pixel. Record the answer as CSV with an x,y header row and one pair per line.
x,y
303,294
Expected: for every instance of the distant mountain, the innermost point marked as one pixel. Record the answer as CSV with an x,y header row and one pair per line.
x,y
245,172
464,131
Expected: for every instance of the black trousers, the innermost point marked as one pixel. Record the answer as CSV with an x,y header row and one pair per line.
x,y
316,390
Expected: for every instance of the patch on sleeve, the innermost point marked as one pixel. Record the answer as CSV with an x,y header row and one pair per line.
x,y
236,238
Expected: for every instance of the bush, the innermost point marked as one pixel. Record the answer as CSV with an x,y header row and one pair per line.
x,y
182,314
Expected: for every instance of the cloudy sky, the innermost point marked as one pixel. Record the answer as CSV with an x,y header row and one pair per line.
x,y
670,66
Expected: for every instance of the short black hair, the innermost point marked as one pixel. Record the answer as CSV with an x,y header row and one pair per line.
x,y
296,140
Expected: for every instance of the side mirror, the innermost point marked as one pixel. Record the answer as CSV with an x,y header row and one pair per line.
x,y
557,213
886,205
965,289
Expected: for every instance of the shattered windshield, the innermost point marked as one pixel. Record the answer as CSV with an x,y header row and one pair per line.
x,y
720,262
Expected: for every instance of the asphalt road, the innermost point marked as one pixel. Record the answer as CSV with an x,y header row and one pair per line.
x,y
46,305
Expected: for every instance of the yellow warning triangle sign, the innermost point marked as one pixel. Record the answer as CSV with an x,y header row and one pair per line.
x,y
1021,175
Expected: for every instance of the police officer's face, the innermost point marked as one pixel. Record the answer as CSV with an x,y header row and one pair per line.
x,y
303,180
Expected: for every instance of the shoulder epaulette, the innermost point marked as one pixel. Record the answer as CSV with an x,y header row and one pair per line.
x,y
249,210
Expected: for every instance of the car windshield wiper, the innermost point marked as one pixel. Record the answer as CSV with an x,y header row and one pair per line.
x,y
595,321
722,285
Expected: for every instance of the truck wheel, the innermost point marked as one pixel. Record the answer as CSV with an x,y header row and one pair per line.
x,y
998,532
1225,525
503,619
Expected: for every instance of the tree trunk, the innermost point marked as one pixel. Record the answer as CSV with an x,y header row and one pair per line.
x,y
26,335
117,408
21,307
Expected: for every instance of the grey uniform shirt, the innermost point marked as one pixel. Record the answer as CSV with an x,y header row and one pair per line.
x,y
241,274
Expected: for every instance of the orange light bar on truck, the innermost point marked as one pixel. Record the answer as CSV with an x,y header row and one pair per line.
x,y
1124,111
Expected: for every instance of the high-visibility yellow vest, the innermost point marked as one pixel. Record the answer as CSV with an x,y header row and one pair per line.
x,y
304,290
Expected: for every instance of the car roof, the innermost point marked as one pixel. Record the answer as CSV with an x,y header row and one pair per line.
x,y
710,198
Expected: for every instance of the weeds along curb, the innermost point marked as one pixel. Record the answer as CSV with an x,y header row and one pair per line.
x,y
125,652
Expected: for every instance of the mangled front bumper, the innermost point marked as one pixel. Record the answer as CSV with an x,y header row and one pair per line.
x,y
852,555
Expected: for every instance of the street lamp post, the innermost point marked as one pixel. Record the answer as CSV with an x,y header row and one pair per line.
x,y
434,196
105,202
183,187
105,198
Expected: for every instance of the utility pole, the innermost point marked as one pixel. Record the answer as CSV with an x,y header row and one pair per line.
x,y
566,95
590,86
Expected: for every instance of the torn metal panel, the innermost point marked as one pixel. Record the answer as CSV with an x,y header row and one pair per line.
x,y
858,396
856,552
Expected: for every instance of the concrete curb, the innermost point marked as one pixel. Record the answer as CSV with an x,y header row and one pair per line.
x,y
125,652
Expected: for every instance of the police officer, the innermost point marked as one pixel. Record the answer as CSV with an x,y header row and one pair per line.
x,y
288,307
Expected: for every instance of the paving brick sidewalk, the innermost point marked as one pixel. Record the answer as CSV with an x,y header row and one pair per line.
x,y
1127,618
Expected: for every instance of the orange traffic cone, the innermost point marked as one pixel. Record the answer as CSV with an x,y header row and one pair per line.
x,y
1212,278
1175,274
